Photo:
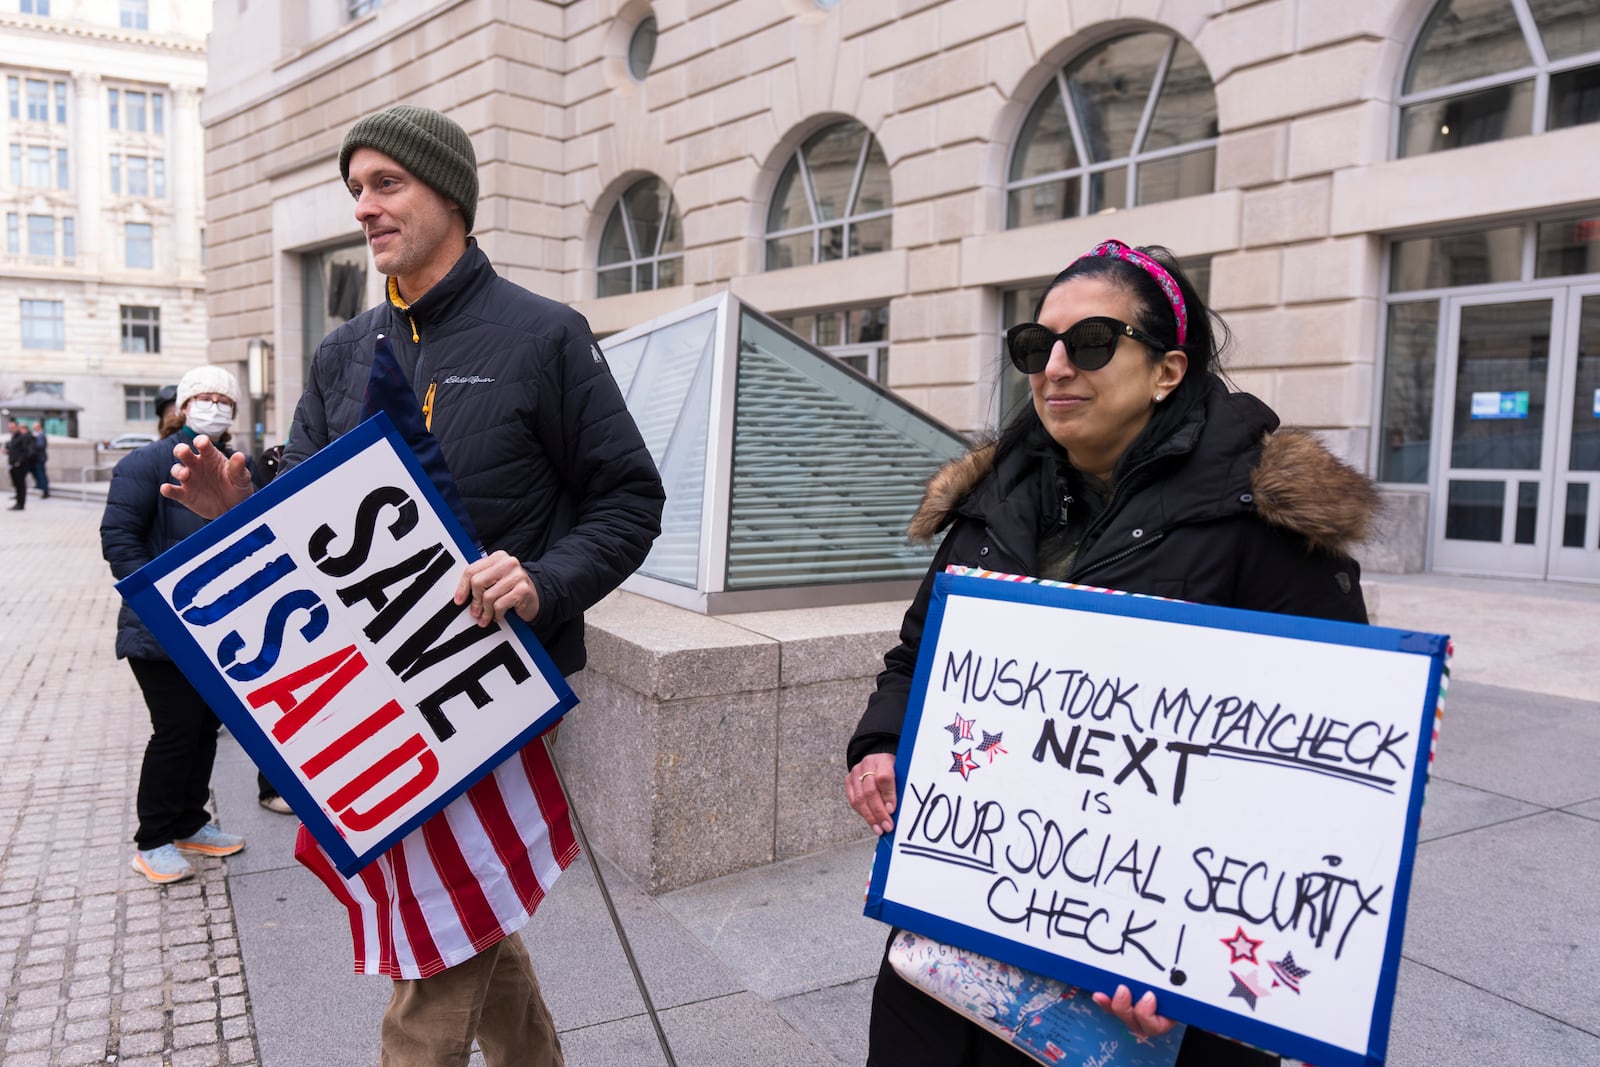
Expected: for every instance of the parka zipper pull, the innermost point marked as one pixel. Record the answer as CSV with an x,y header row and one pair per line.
x,y
427,405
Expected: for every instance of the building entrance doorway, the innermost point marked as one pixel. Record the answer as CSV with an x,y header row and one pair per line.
x,y
1518,483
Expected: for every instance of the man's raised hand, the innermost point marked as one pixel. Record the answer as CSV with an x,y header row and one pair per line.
x,y
209,483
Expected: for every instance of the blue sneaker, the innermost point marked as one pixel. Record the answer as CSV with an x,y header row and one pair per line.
x,y
209,840
162,865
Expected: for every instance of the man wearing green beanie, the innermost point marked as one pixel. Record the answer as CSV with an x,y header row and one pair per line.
x,y
566,501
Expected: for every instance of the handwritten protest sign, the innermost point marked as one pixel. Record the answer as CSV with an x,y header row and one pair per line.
x,y
1217,805
317,620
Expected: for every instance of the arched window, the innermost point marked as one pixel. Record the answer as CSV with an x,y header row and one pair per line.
x,y
641,247
1141,128
1484,70
832,200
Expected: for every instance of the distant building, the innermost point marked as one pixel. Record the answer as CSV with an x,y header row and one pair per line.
x,y
102,287
1394,203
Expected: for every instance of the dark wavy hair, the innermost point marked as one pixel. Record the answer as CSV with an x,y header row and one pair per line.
x,y
1206,336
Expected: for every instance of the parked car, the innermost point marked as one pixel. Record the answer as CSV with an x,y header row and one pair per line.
x,y
128,441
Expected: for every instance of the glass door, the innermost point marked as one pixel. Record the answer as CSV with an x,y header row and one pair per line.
x,y
1496,479
1575,530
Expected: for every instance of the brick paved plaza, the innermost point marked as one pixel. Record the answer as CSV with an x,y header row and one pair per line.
x,y
99,966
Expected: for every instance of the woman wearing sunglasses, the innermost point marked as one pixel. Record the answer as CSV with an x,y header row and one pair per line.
x,y
1133,468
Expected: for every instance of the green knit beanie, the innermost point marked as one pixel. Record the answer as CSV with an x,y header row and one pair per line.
x,y
424,142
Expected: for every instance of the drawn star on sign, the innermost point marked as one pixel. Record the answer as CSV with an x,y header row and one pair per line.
x,y
1247,988
991,744
960,730
963,763
1241,946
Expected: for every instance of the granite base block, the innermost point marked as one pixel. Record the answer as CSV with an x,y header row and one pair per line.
x,y
706,746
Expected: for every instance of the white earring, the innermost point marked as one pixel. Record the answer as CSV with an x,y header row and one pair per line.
x,y
1158,397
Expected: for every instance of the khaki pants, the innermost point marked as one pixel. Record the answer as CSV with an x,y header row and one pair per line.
x,y
494,997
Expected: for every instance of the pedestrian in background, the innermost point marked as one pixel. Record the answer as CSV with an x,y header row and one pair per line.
x,y
41,477
138,525
19,459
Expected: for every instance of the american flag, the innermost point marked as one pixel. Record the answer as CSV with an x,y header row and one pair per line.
x,y
464,880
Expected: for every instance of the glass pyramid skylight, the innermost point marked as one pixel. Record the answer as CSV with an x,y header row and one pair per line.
x,y
790,478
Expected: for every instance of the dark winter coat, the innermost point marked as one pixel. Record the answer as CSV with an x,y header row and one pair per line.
x,y
137,526
549,463
1224,511
22,451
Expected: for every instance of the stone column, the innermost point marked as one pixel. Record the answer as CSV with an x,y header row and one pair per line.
x,y
183,164
89,170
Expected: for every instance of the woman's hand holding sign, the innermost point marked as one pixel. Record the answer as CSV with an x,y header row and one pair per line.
x,y
870,789
209,482
1139,1017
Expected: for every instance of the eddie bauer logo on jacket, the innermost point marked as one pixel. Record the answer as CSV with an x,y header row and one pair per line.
x,y
466,379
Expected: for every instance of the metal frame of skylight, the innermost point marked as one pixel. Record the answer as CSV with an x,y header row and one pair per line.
x,y
711,595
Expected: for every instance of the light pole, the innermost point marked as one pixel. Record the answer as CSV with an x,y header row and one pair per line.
x,y
258,361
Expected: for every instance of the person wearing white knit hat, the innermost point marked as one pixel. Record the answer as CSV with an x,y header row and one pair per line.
x,y
208,397
138,525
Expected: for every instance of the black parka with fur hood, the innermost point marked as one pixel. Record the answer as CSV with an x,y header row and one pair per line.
x,y
548,462
1223,511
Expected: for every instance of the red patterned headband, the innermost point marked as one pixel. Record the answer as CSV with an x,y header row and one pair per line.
x,y
1118,250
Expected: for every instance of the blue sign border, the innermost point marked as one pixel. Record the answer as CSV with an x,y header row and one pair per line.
x,y
1172,1003
138,589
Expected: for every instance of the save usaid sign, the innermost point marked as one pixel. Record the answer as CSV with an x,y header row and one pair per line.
x,y
1217,805
318,620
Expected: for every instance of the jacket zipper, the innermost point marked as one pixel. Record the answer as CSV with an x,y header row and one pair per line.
x,y
1105,520
416,339
1112,559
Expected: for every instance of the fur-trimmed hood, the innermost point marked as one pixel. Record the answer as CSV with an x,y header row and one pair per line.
x,y
1295,481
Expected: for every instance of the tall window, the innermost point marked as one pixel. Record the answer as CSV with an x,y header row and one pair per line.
x,y
141,329
133,111
334,290
135,14
113,107
69,239
42,236
36,7
13,234
832,200
139,243
139,402
858,337
641,247
63,172
14,96
1132,122
44,324
61,103
138,176
38,100
1485,70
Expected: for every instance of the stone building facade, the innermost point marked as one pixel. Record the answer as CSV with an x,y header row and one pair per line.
x,y
102,283
1386,199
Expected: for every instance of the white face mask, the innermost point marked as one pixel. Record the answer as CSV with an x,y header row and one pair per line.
x,y
209,418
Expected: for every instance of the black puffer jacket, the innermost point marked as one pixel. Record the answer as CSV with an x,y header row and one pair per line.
x,y
138,525
546,457
1224,511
